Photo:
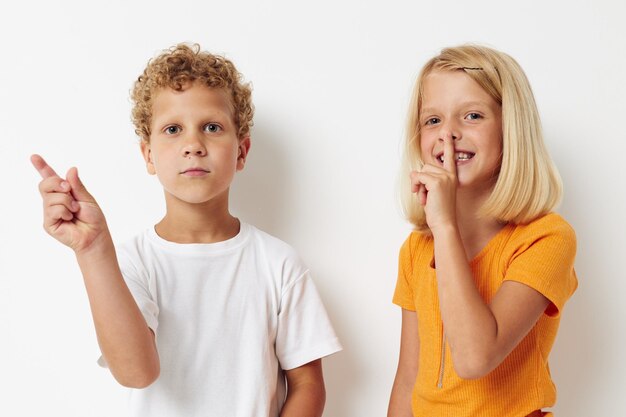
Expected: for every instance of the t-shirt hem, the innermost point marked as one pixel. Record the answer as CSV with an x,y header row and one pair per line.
x,y
404,305
556,303
318,352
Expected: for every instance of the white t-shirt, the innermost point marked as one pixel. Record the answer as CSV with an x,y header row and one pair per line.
x,y
228,318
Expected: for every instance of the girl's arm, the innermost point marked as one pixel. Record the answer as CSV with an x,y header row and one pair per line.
x,y
480,335
306,394
72,216
400,401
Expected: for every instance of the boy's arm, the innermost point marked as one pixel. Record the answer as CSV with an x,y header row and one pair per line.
x,y
306,394
72,216
126,341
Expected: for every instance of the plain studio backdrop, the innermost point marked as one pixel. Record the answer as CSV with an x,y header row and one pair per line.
x,y
331,87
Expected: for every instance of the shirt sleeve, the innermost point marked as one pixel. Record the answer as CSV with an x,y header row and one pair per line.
x,y
138,283
545,262
403,295
304,331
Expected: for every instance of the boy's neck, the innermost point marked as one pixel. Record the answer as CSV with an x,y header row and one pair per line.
x,y
197,223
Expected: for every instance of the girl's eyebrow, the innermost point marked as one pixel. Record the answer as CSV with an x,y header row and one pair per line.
x,y
473,103
428,110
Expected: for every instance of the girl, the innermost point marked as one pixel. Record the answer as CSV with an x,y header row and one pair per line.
x,y
485,275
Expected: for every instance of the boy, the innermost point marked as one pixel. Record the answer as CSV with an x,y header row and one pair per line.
x,y
203,312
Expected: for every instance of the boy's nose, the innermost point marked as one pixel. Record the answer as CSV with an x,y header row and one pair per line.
x,y
194,147
197,152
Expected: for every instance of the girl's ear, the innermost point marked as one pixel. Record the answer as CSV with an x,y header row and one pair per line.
x,y
147,156
244,148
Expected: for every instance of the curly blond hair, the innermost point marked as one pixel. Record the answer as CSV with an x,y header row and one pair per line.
x,y
176,68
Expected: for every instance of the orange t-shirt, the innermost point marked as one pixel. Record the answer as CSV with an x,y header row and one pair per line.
x,y
539,254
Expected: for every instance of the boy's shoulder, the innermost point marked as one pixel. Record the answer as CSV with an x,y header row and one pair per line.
x,y
280,256
271,242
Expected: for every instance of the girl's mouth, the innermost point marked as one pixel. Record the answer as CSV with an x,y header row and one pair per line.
x,y
458,156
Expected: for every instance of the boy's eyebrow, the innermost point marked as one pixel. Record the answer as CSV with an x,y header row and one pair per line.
x,y
173,114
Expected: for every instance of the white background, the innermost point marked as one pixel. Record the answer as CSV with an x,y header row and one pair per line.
x,y
331,87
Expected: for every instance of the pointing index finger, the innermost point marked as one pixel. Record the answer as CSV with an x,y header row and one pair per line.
x,y
449,161
42,167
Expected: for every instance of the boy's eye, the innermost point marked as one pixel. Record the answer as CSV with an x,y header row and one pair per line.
x,y
473,116
212,127
432,121
172,130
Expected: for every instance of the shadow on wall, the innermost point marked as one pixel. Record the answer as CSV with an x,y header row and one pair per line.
x,y
343,377
576,362
262,193
579,359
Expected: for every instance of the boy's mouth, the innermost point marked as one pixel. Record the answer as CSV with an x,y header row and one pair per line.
x,y
458,156
195,171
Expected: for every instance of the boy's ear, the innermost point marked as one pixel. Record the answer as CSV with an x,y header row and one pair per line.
x,y
244,148
147,156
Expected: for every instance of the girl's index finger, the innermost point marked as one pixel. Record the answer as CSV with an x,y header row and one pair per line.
x,y
42,167
449,161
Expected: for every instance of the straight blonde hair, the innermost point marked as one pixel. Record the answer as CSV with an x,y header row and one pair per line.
x,y
528,184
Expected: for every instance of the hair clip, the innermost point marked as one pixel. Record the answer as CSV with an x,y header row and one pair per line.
x,y
472,68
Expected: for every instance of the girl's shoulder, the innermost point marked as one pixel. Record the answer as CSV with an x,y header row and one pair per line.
x,y
549,224
546,235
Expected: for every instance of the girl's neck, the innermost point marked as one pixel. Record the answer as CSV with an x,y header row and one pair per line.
x,y
476,231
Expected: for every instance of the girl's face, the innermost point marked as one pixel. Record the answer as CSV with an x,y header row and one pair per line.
x,y
454,105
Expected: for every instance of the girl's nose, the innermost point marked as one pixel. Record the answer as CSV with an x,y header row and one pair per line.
x,y
448,130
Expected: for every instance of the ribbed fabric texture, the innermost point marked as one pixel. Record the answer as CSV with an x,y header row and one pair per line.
x,y
541,255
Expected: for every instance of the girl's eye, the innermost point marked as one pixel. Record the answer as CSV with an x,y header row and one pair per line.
x,y
473,116
172,130
212,127
432,121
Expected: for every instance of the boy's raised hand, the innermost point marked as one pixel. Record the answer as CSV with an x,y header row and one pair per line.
x,y
71,214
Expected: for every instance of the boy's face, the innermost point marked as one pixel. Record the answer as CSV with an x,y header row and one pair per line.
x,y
194,149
